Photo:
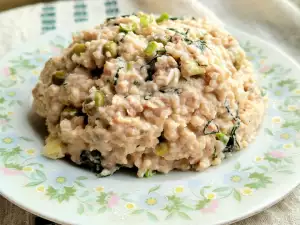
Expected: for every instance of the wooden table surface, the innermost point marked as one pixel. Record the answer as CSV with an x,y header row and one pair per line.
x,y
9,4
12,215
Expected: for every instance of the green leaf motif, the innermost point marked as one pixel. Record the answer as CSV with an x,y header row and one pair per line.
x,y
152,216
294,124
80,209
286,171
13,166
69,192
261,177
154,189
20,103
81,178
261,181
202,203
51,192
33,184
38,164
102,209
222,189
290,83
170,215
271,159
2,100
101,199
237,166
184,216
26,139
268,131
202,192
54,193
237,196
79,183
247,168
264,168
138,211
41,174
9,154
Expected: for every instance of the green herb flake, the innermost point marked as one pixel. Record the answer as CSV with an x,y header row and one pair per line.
x,y
144,21
149,173
151,48
126,28
163,17
222,137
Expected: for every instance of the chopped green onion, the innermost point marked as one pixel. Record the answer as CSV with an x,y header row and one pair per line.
x,y
162,149
129,66
99,98
136,83
70,111
58,78
193,68
162,40
163,17
79,48
151,48
149,173
222,137
144,20
110,49
126,28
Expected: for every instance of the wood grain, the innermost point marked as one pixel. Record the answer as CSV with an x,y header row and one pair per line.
x,y
9,4
13,215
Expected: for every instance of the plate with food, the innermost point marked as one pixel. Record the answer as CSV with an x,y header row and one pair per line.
x,y
148,118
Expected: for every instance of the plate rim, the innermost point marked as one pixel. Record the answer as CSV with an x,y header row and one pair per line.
x,y
263,206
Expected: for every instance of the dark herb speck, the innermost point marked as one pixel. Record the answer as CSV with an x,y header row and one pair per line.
x,y
96,73
91,160
205,132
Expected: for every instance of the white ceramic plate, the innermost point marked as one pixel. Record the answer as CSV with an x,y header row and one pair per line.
x,y
243,185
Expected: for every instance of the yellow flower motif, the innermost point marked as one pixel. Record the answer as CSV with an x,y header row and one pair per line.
x,y
61,180
13,77
288,146
7,140
40,188
30,151
27,169
236,179
44,51
130,206
179,189
211,196
247,191
297,91
36,72
292,108
285,136
99,189
258,159
10,113
11,93
276,120
151,201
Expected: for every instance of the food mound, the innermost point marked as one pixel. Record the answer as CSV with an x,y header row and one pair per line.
x,y
152,93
